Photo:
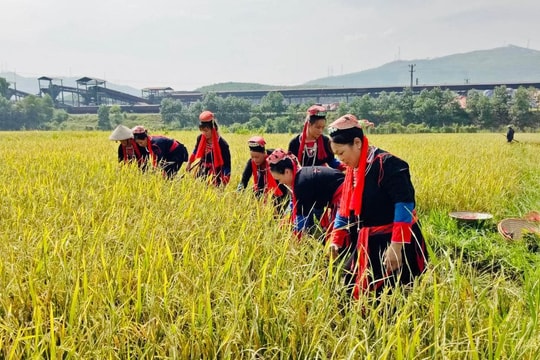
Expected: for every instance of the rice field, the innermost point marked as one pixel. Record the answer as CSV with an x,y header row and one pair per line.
x,y
102,261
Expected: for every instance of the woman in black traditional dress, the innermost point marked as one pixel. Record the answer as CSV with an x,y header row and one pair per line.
x,y
263,182
312,147
165,153
315,190
128,150
213,152
376,225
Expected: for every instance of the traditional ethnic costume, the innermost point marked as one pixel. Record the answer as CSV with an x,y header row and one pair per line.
x,y
215,156
314,152
128,152
263,181
316,191
376,209
166,153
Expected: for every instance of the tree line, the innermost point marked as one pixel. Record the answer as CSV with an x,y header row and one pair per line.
x,y
434,110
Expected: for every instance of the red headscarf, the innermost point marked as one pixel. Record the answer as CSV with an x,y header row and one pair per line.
x,y
139,130
279,155
257,144
271,184
207,118
353,185
320,112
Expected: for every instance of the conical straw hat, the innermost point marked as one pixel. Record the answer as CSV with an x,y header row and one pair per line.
x,y
121,133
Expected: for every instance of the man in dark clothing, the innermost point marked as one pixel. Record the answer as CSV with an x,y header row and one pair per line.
x,y
510,134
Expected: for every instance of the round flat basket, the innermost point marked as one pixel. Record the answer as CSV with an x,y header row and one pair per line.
x,y
512,229
470,217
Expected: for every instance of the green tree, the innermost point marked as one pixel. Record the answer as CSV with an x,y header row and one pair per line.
x,y
254,123
189,118
473,101
7,115
212,102
273,104
362,107
426,109
4,85
234,110
520,110
296,113
389,107
60,116
407,107
480,109
171,111
104,123
279,125
451,110
500,103
34,111
115,114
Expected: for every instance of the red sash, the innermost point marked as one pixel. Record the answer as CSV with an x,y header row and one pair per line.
x,y
271,184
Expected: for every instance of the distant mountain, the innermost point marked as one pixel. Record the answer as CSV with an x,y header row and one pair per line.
x,y
509,64
234,86
505,64
30,85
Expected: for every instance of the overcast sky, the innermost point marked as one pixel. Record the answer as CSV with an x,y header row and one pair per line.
x,y
190,43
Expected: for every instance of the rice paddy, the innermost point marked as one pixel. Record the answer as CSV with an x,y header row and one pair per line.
x,y
102,261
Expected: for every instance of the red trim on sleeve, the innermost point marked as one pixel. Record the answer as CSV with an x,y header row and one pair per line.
x,y
401,232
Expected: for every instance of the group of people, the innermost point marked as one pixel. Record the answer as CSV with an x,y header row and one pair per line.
x,y
211,157
364,202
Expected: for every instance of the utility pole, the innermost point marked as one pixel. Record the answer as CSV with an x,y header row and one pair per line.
x,y
411,70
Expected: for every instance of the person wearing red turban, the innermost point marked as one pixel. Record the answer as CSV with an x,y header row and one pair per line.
x,y
376,228
211,151
315,191
164,153
263,182
312,147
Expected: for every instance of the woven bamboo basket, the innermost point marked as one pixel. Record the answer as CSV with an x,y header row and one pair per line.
x,y
513,228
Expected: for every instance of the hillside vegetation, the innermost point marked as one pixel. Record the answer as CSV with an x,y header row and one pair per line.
x,y
510,64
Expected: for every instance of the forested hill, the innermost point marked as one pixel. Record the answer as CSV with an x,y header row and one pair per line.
x,y
233,86
499,65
